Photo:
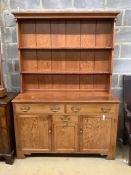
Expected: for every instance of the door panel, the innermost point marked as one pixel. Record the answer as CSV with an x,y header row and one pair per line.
x,y
2,117
4,146
95,133
65,137
34,132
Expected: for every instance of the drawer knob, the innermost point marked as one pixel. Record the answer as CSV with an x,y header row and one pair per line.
x,y
81,131
49,131
75,108
103,116
25,108
55,108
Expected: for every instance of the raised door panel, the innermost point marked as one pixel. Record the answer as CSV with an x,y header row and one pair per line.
x,y
27,34
65,133
4,145
2,117
34,132
95,133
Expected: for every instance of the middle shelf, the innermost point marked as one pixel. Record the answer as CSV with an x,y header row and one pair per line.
x,y
59,72
65,61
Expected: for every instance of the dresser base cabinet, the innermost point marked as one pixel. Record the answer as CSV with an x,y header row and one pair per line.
x,y
7,138
66,127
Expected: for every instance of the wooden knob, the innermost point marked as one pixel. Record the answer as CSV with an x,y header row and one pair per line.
x,y
49,131
81,131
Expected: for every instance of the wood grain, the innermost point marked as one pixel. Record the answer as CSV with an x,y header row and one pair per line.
x,y
73,34
33,132
58,81
102,61
30,82
65,137
2,118
72,61
104,33
45,81
96,133
87,61
29,60
101,82
27,34
58,61
43,33
44,60
88,29
86,81
58,33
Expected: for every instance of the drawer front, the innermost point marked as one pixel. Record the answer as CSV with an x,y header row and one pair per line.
x,y
65,118
39,108
2,118
90,108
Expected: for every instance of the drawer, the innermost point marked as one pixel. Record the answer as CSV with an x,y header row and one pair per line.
x,y
2,118
65,118
39,108
90,108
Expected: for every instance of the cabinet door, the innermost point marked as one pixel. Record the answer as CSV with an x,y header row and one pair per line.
x,y
95,133
65,133
34,133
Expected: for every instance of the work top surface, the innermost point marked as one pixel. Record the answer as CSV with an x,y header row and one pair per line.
x,y
65,97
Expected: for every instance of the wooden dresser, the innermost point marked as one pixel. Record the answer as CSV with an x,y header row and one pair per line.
x,y
7,138
65,104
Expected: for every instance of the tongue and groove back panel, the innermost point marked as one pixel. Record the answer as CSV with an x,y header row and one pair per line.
x,y
66,54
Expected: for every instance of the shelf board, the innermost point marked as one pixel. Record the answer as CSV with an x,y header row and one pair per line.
x,y
53,73
68,90
66,48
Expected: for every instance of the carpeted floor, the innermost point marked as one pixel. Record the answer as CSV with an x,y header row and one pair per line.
x,y
83,165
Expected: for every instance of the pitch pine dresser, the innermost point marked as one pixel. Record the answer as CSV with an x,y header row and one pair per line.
x,y
65,104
